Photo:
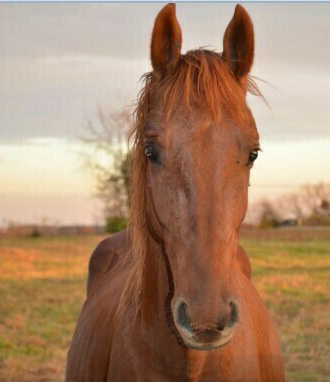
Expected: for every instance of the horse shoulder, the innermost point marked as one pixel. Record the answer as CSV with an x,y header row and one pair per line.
x,y
243,262
106,256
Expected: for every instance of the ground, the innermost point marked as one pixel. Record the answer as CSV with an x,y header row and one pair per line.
x,y
44,282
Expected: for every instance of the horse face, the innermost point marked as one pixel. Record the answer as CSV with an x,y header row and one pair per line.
x,y
198,176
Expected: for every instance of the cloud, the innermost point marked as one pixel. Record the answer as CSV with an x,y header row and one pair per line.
x,y
54,96
60,61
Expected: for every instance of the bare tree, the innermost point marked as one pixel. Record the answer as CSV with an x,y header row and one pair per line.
x,y
292,205
108,159
307,201
314,195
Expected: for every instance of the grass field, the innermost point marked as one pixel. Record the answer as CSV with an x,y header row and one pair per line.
x,y
43,287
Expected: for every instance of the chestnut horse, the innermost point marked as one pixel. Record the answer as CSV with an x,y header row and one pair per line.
x,y
170,299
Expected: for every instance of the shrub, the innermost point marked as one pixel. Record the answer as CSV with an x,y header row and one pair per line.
x,y
115,224
35,233
267,222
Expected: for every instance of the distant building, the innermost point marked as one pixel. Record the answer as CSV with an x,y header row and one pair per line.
x,y
289,223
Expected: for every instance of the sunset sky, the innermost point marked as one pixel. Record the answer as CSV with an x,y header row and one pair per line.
x,y
60,62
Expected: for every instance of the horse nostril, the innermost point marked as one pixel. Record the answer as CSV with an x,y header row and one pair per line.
x,y
183,317
230,319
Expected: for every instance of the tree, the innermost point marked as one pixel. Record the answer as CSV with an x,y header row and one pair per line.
x,y
292,205
314,195
269,216
307,201
317,200
109,161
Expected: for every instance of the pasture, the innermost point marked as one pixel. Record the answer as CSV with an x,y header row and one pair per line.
x,y
43,282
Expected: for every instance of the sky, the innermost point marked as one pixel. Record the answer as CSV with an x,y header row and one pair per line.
x,y
60,62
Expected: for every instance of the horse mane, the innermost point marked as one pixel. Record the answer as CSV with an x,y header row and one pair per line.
x,y
202,80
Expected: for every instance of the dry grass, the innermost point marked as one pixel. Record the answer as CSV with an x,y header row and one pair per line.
x,y
292,274
43,287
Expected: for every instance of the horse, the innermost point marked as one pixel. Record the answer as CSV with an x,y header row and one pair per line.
x,y
171,298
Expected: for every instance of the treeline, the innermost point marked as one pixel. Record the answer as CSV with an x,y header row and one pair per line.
x,y
309,206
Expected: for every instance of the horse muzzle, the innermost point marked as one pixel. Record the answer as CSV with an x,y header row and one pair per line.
x,y
206,337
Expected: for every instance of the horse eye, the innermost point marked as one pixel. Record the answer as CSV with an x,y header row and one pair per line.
x,y
151,153
253,156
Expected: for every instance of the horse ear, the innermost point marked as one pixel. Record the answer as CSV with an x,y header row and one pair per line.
x,y
166,42
238,44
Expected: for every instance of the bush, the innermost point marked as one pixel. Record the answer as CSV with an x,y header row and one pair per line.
x,y
115,224
267,222
35,233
